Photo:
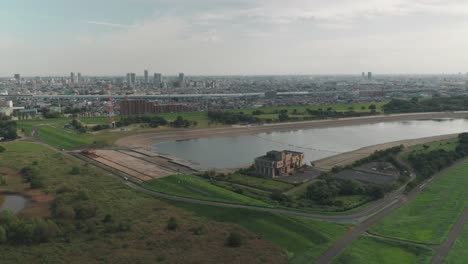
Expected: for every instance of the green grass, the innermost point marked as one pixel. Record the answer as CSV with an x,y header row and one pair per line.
x,y
376,250
433,212
194,187
459,252
447,145
259,183
342,107
304,239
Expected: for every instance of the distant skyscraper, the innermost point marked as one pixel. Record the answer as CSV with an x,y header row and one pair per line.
x,y
72,77
128,78
157,79
369,75
363,75
181,78
132,79
80,79
146,77
17,77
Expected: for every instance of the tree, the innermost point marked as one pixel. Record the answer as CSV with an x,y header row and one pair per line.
x,y
2,149
283,115
372,107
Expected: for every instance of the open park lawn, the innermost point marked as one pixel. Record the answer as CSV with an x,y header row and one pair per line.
x,y
433,212
126,227
375,250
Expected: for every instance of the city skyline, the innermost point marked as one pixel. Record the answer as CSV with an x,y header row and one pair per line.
x,y
233,37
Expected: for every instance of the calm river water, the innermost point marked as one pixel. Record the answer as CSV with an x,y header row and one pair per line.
x,y
316,143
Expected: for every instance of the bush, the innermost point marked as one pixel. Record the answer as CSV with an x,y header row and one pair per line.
x,y
85,210
2,149
75,171
172,224
234,240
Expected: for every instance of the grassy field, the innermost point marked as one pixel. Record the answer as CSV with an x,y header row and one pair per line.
x,y
147,241
194,187
459,252
376,250
304,239
257,182
432,213
342,107
447,145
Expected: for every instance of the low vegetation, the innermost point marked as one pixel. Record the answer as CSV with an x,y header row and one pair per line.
x,y
95,218
194,187
429,217
375,250
303,239
436,104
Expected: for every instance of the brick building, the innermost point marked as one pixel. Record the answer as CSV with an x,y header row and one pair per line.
x,y
141,107
279,163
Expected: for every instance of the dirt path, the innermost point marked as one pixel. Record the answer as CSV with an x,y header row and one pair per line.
x,y
147,139
443,250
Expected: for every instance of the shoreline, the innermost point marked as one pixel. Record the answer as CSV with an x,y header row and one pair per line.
x,y
147,139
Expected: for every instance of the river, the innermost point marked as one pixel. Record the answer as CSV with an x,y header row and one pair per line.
x,y
316,143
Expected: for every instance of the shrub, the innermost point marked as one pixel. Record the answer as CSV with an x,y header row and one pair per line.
x,y
75,171
234,240
2,149
172,224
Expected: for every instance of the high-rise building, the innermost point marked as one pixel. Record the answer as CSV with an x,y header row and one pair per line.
x,y
17,77
363,75
128,78
132,79
72,77
369,75
157,79
146,77
181,78
79,78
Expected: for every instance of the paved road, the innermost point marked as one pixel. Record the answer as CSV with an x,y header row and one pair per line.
x,y
443,250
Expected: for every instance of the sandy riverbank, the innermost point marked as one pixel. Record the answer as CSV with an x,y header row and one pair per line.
x,y
147,140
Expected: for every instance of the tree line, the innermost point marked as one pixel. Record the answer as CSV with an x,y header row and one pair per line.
x,y
8,130
436,104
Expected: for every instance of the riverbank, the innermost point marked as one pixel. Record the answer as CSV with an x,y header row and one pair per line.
x,y
147,140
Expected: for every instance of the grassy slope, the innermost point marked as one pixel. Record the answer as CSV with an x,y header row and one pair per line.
x,y
304,239
148,241
459,252
375,250
194,187
259,183
431,215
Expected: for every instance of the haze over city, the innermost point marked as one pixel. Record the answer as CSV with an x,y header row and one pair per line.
x,y
226,37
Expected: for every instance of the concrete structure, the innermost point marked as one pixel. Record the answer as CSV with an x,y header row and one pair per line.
x,y
7,108
141,107
369,75
279,163
80,78
72,77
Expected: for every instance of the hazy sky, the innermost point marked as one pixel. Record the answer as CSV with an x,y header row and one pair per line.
x,y
233,36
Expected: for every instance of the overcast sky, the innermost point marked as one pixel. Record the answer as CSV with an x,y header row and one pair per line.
x,y
215,37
